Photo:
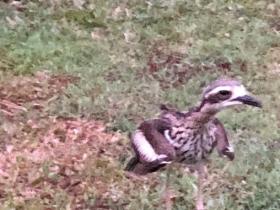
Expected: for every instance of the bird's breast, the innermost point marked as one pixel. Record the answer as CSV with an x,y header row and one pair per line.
x,y
191,145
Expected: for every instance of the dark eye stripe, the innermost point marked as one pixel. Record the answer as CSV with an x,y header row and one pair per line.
x,y
218,97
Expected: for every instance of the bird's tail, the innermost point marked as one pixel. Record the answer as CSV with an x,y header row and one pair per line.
x,y
138,168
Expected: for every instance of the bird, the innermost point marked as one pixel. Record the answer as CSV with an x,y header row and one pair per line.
x,y
189,137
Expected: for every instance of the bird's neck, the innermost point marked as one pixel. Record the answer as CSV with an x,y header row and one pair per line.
x,y
200,118
195,117
201,115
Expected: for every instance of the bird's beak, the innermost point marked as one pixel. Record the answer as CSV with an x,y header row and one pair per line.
x,y
249,100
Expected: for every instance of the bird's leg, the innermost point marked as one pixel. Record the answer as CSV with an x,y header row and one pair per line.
x,y
167,190
202,173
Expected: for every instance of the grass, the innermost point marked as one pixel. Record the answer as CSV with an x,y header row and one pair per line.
x,y
130,56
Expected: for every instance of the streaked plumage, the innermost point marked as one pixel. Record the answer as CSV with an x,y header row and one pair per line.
x,y
188,137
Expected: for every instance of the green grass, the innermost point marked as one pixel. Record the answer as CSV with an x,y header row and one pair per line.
x,y
133,55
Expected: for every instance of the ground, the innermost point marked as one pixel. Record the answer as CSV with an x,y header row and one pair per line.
x,y
78,76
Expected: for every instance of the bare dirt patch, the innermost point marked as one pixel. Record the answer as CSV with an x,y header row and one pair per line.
x,y
53,153
168,67
174,68
35,91
44,157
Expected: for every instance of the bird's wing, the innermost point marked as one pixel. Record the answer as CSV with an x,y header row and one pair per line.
x,y
149,142
223,146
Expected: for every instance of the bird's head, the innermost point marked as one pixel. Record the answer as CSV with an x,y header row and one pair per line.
x,y
224,93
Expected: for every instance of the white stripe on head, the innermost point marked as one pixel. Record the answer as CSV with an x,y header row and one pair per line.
x,y
237,91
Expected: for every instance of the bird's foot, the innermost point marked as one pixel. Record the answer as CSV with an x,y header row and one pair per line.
x,y
199,204
169,197
200,208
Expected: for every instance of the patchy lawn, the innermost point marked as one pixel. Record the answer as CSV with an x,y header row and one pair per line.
x,y
77,76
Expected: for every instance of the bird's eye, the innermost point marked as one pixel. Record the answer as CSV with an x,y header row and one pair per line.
x,y
224,92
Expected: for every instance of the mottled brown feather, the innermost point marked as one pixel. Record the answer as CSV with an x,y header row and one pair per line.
x,y
153,131
222,140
